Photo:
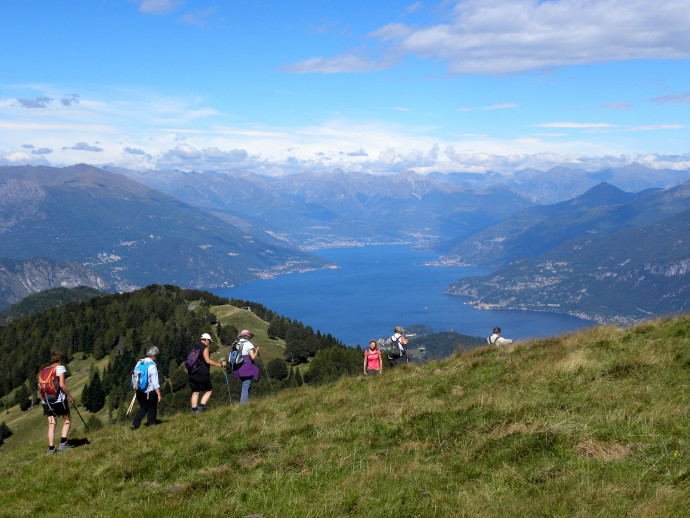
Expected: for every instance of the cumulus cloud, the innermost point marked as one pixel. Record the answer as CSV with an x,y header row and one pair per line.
x,y
159,6
186,156
502,37
616,106
39,102
672,99
70,99
502,106
42,151
83,146
361,152
344,63
136,152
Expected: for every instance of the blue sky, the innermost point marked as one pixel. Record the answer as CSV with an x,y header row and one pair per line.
x,y
280,87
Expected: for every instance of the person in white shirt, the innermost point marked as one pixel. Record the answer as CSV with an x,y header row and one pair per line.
x,y
56,405
497,340
149,397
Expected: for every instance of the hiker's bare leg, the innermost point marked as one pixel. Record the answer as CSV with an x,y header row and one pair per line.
x,y
67,422
195,399
206,397
52,422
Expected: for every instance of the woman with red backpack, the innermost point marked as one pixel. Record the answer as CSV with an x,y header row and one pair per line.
x,y
51,385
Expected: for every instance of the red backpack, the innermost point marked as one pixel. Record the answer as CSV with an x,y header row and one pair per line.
x,y
48,383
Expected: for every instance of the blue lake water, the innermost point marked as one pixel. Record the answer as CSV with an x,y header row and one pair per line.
x,y
379,287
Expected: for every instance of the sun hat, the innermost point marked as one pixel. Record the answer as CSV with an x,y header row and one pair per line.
x,y
245,332
206,336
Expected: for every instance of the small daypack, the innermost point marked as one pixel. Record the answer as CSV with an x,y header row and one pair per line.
x,y
48,383
236,358
140,375
394,349
194,358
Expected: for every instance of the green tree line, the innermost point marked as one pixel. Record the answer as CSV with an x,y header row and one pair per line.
x,y
122,326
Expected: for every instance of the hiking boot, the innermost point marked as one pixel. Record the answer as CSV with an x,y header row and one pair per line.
x,y
195,410
63,447
52,452
132,427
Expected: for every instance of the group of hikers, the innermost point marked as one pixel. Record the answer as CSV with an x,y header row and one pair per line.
x,y
51,380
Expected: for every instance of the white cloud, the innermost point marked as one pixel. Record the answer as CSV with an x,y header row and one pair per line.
x,y
502,37
159,6
578,125
616,106
502,106
672,99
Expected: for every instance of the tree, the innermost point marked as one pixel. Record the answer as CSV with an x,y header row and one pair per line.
x,y
95,399
21,398
277,369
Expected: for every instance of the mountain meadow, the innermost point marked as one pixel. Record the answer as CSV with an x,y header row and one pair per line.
x,y
593,423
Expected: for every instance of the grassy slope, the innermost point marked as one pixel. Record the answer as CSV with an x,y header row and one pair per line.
x,y
589,424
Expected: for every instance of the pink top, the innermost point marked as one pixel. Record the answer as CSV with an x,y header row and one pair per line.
x,y
373,363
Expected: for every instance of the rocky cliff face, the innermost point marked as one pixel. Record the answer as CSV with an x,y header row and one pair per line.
x,y
21,278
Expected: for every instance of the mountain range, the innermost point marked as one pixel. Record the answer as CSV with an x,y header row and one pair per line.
x,y
339,208
564,183
622,277
127,233
604,209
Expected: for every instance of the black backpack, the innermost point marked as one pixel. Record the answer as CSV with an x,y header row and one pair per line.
x,y
394,349
194,359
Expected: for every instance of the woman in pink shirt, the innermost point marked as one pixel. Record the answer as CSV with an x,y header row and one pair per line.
x,y
372,359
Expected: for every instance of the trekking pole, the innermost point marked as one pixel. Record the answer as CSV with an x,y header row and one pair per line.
x,y
263,365
131,404
80,417
227,382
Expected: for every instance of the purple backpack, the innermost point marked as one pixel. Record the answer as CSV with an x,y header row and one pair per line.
x,y
193,361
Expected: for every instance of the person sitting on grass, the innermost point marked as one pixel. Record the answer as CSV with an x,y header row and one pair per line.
x,y
497,340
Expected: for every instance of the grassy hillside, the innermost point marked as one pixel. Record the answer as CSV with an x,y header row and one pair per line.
x,y
588,424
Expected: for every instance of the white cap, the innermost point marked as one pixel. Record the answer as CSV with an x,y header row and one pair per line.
x,y
206,336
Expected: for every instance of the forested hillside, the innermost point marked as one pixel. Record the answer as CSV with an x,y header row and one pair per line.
x,y
106,335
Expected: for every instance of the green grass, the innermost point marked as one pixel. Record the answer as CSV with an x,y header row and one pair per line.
x,y
588,424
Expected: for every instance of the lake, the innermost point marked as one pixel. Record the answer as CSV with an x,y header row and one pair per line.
x,y
379,287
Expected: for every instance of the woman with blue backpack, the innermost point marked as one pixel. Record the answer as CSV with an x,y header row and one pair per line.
x,y
145,381
246,371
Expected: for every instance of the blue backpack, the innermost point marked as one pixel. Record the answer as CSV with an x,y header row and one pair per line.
x,y
140,375
236,359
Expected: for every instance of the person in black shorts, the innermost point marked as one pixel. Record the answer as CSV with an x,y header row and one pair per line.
x,y
200,381
57,405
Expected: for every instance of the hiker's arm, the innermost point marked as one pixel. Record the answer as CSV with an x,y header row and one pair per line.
x,y
365,362
158,392
63,387
380,361
403,340
253,353
207,359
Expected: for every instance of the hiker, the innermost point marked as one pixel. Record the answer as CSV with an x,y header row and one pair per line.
x,y
148,403
372,359
200,380
398,347
55,400
248,370
497,340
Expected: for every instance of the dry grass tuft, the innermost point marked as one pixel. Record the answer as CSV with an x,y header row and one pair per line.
x,y
601,451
